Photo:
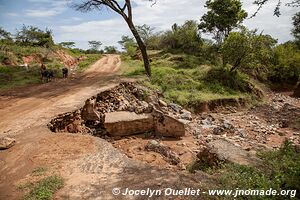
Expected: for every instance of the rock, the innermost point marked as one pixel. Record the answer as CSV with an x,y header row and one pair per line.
x,y
175,107
143,107
153,144
197,132
229,152
206,123
152,99
165,151
186,115
128,123
71,122
218,130
227,125
208,157
88,111
241,133
168,126
6,142
284,123
162,103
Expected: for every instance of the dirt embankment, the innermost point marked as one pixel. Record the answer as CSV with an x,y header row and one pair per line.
x,y
43,56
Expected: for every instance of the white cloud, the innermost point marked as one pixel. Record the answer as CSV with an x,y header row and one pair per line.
x,y
54,8
167,12
12,14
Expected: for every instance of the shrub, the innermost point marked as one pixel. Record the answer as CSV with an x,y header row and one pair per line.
x,y
287,64
280,171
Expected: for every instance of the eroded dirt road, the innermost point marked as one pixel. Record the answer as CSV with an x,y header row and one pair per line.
x,y
90,166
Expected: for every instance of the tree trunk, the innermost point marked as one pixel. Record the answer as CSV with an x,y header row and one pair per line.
x,y
141,45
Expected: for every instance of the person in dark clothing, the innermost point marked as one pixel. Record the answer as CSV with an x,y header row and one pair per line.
x,y
65,72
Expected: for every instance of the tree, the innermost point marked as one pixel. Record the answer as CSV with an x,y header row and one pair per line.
x,y
223,16
110,49
287,64
129,45
68,45
145,32
235,49
185,37
95,45
261,3
249,50
123,8
296,29
4,35
33,36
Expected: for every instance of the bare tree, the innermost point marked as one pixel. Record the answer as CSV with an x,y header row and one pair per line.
x,y
124,9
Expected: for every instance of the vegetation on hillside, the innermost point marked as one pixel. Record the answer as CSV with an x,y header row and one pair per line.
x,y
37,47
190,69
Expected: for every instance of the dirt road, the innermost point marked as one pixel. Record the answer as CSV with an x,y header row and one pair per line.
x,y
90,166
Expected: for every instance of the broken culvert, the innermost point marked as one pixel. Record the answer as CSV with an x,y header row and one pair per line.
x,y
124,110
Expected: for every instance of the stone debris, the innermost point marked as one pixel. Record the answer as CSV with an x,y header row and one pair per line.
x,y
175,107
165,151
187,115
6,143
89,112
119,110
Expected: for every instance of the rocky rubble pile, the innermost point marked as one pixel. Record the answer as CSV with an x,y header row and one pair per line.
x,y
168,119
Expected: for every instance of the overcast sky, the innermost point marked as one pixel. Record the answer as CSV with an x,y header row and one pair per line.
x,y
106,26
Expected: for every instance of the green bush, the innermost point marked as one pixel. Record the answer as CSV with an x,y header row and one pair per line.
x,y
280,170
222,80
287,64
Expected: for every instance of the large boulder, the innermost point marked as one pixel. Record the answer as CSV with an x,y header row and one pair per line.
x,y
226,151
127,123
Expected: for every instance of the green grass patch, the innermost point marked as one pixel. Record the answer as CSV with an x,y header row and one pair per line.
x,y
44,189
130,67
280,171
189,85
91,58
11,76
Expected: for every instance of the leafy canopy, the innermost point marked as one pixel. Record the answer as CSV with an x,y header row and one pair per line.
x,y
33,36
223,16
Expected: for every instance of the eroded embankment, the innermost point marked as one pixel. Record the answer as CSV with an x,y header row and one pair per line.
x,y
144,127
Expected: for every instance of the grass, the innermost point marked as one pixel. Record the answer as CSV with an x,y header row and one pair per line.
x,y
44,189
15,76
280,171
11,76
39,171
183,79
